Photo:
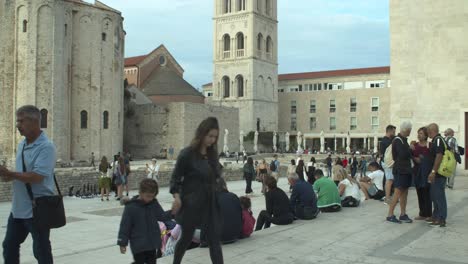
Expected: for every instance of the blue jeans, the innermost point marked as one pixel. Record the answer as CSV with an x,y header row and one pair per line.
x,y
17,231
438,198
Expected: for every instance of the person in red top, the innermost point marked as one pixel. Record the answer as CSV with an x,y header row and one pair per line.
x,y
248,221
345,162
421,170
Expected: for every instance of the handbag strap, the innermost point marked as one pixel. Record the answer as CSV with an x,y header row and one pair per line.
x,y
28,185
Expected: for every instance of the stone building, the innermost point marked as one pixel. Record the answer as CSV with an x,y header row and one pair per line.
x,y
429,60
245,61
65,57
160,77
151,128
350,103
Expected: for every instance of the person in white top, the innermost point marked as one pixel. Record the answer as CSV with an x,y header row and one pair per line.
x,y
349,187
153,170
372,185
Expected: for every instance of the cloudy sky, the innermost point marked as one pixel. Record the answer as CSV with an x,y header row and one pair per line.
x,y
313,35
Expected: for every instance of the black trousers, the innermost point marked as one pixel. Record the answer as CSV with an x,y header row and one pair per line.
x,y
305,213
265,220
248,185
145,257
213,240
424,200
331,209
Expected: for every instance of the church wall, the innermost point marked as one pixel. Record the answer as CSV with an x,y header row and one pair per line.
x,y
429,63
60,66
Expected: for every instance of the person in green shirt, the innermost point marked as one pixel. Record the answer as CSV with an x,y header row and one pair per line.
x,y
327,193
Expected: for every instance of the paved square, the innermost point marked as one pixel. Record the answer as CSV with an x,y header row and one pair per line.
x,y
354,235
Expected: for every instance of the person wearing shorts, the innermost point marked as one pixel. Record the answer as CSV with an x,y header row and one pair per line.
x,y
402,174
386,142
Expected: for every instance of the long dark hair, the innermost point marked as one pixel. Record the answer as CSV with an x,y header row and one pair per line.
x,y
211,123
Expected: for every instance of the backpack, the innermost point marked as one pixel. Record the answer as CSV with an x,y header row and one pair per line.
x,y
388,156
272,165
448,164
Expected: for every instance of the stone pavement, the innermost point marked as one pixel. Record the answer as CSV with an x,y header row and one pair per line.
x,y
354,235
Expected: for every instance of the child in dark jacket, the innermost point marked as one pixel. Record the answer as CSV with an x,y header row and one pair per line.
x,y
139,224
248,221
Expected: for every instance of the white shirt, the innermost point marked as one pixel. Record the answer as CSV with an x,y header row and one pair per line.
x,y
153,171
377,178
352,189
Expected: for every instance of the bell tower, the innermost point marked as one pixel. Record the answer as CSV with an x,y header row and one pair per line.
x,y
246,61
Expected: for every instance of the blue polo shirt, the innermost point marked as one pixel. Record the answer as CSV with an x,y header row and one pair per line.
x,y
39,157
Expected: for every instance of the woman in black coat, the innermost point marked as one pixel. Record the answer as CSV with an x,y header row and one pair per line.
x,y
249,174
193,186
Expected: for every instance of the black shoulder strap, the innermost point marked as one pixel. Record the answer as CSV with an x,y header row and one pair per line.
x,y
28,185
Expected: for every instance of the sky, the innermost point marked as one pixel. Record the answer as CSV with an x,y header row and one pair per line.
x,y
313,35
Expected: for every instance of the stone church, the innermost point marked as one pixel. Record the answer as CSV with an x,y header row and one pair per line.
x,y
66,57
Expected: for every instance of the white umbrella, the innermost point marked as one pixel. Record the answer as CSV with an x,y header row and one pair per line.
x,y
287,141
226,148
299,141
322,142
256,142
241,141
274,142
348,143
376,142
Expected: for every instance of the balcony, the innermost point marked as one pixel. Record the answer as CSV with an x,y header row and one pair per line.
x,y
240,53
226,54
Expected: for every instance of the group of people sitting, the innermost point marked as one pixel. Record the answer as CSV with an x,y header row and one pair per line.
x,y
324,195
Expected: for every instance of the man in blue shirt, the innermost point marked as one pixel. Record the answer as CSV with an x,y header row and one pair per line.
x,y
39,158
303,201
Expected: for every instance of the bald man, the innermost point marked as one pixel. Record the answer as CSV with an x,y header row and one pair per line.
x,y
437,181
453,146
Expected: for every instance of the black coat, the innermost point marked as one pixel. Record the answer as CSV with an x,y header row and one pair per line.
x,y
231,211
194,179
139,225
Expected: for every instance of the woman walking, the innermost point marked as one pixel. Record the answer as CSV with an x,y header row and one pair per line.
x,y
301,170
120,177
311,170
193,186
249,174
104,179
262,173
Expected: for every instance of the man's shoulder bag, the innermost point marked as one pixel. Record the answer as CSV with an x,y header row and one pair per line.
x,y
48,211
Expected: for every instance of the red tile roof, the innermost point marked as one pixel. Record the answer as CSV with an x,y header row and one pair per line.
x,y
327,74
335,73
133,61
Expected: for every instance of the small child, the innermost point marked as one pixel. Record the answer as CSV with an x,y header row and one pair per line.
x,y
140,226
248,221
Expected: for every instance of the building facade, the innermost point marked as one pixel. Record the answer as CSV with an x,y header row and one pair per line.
x,y
430,64
65,57
342,104
245,61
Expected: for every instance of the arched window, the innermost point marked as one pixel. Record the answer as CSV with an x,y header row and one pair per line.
x,y
226,6
268,44
226,46
227,42
240,5
226,86
105,120
25,25
44,114
268,7
84,119
260,41
240,44
240,85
